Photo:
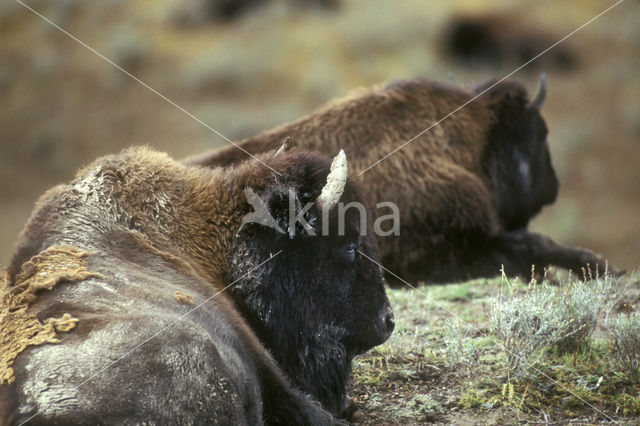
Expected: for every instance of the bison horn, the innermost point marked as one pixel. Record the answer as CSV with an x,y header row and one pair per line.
x,y
286,146
336,180
538,99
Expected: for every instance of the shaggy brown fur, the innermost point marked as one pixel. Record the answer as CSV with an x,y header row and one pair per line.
x,y
148,201
463,205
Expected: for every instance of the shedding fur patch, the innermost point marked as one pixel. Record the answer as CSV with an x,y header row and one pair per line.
x,y
184,298
19,327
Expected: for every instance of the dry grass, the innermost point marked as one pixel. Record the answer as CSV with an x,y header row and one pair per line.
x,y
448,361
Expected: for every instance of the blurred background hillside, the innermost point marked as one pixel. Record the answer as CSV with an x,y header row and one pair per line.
x,y
244,71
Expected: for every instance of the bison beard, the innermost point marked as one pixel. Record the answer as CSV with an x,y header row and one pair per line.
x,y
156,237
466,189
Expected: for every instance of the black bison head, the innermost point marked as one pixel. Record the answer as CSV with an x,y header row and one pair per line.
x,y
517,154
323,300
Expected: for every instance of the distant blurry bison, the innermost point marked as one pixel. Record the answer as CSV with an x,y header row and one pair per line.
x,y
161,305
466,189
201,11
504,40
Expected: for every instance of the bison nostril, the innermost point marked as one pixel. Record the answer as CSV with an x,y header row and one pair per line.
x,y
390,322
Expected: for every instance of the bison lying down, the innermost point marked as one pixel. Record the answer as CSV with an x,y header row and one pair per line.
x,y
136,254
505,39
466,189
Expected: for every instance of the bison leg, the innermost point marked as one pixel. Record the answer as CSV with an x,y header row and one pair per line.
x,y
521,251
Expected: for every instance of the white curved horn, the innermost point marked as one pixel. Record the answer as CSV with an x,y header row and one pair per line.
x,y
538,99
336,180
286,145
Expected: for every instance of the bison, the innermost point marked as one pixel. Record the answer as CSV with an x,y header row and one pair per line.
x,y
504,39
466,189
167,312
197,12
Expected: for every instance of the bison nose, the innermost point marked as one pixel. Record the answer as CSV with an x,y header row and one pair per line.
x,y
388,322
375,332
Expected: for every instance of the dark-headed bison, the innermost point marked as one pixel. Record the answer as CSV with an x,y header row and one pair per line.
x,y
465,189
165,314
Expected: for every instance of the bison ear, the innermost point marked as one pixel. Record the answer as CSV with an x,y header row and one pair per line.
x,y
506,94
292,211
286,146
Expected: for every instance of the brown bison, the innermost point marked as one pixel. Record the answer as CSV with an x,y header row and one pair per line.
x,y
504,39
194,12
166,312
465,190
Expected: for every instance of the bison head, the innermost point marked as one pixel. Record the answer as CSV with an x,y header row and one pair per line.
x,y
321,301
517,154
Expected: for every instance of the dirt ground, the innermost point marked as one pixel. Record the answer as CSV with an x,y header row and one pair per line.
x,y
61,106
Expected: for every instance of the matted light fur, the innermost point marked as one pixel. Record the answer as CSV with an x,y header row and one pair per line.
x,y
19,327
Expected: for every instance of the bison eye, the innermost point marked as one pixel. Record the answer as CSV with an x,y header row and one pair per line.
x,y
350,251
